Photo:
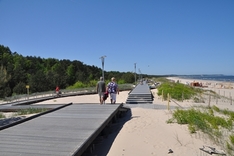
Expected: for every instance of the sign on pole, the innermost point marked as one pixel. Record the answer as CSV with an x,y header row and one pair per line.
x,y
27,86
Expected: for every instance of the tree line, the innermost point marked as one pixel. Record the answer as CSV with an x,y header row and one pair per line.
x,y
44,74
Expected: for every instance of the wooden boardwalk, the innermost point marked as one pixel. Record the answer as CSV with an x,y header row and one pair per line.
x,y
68,131
141,94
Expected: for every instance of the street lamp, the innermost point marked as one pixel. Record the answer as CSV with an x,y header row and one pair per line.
x,y
135,73
140,75
103,58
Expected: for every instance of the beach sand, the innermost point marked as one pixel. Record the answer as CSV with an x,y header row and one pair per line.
x,y
145,132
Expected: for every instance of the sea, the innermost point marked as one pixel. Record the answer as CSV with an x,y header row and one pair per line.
x,y
224,78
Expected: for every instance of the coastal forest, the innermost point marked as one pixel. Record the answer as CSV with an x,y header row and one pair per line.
x,y
44,74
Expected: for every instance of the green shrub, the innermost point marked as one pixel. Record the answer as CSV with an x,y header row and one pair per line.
x,y
231,137
78,84
177,91
92,83
231,114
192,128
215,108
204,119
196,100
2,115
121,81
229,147
31,111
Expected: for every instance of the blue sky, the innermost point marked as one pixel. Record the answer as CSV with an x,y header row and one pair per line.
x,y
160,36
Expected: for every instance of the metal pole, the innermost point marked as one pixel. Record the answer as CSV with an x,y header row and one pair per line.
x,y
168,101
140,76
103,58
135,73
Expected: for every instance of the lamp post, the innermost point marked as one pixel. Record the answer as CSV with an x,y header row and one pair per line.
x,y
140,75
103,58
135,73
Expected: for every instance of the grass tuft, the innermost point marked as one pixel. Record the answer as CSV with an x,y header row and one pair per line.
x,y
31,111
2,115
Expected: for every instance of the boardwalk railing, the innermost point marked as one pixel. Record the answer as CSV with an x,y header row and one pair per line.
x,y
40,96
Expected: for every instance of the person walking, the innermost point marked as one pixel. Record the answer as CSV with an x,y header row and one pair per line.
x,y
57,91
113,89
101,89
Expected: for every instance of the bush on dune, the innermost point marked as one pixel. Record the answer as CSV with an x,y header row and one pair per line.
x,y
177,91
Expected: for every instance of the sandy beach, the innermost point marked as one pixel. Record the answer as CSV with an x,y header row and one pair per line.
x,y
146,131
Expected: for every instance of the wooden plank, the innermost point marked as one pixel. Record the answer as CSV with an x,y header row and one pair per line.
x,y
67,131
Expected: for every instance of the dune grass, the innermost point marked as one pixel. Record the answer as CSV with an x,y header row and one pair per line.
x,y
178,91
212,121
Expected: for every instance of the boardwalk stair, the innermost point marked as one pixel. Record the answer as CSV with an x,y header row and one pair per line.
x,y
141,94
